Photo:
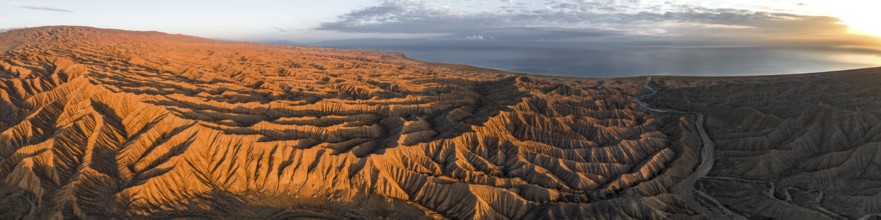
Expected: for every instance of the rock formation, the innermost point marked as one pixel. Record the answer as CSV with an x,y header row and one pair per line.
x,y
111,124
99,123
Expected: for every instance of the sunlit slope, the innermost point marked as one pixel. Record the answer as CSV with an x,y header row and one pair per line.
x,y
106,123
791,147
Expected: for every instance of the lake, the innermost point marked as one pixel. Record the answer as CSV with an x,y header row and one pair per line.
x,y
618,61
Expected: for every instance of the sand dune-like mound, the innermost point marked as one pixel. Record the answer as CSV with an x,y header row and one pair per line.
x,y
101,123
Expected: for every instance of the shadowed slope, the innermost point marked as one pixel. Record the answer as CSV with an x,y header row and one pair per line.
x,y
801,146
108,123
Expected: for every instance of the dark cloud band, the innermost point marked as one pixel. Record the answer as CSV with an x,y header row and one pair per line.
x,y
587,20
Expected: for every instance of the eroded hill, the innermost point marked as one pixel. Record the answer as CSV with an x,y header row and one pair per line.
x,y
101,123
790,147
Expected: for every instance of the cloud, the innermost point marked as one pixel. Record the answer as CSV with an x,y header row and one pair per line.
x,y
40,7
281,29
620,20
419,17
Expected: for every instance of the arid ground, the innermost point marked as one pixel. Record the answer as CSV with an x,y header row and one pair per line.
x,y
100,123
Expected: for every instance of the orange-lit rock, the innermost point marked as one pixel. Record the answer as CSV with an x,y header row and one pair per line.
x,y
118,124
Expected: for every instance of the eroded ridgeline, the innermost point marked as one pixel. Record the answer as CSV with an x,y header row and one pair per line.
x,y
127,124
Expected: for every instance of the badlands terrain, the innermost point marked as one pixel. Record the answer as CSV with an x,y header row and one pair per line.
x,y
98,124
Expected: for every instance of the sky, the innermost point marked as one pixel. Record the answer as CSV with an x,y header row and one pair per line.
x,y
846,23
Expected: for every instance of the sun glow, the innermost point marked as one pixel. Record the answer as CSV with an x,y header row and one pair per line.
x,y
865,20
860,16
